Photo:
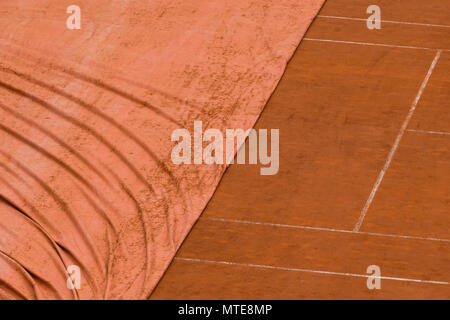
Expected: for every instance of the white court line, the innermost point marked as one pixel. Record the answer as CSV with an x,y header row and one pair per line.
x,y
307,270
374,44
387,21
324,229
397,142
431,132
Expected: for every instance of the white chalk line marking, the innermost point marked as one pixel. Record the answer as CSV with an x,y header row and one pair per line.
x,y
325,229
388,21
391,154
396,144
308,270
374,44
430,132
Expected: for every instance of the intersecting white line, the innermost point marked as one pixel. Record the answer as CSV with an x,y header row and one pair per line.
x,y
374,44
324,229
308,270
375,188
387,21
430,132
396,144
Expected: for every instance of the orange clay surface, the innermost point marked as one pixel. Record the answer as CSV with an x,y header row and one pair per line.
x,y
342,109
86,118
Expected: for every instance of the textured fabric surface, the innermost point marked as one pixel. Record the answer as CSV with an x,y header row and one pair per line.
x,y
86,117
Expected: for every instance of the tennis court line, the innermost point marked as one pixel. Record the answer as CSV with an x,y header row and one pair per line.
x,y
396,143
260,266
387,21
374,44
324,229
430,132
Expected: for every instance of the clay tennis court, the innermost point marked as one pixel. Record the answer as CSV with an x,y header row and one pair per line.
x,y
87,180
364,171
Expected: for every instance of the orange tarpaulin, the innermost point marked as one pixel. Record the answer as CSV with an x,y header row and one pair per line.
x,y
86,117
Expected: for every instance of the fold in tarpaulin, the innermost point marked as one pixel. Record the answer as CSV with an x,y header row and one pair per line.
x,y
87,184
